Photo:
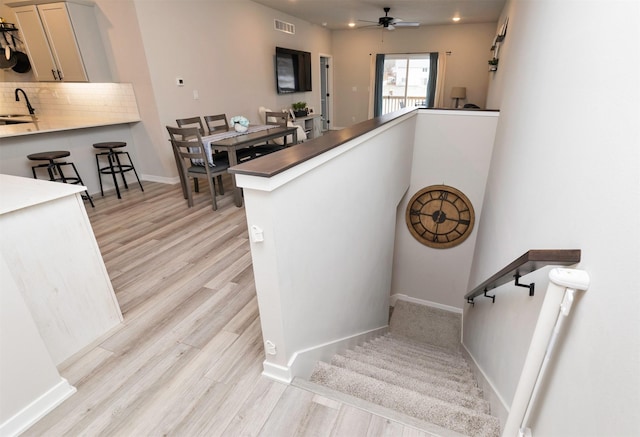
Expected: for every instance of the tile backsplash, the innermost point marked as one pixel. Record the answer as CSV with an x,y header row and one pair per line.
x,y
83,100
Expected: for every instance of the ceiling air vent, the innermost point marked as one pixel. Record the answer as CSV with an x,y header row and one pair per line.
x,y
285,27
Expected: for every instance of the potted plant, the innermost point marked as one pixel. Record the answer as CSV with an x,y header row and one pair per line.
x,y
493,64
300,109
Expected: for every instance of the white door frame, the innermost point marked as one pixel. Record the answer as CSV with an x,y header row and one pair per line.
x,y
328,74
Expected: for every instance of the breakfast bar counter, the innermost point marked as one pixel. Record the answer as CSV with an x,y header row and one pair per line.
x,y
37,124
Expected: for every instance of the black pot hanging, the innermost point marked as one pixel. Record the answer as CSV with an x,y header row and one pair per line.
x,y
22,63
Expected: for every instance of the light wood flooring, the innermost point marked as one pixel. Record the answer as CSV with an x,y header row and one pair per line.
x,y
187,359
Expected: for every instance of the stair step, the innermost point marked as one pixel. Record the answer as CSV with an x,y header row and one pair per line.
x,y
420,347
426,324
394,346
410,366
388,413
441,413
467,396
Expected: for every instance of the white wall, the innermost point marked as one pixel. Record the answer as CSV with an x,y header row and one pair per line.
x,y
451,148
323,272
354,57
224,51
565,173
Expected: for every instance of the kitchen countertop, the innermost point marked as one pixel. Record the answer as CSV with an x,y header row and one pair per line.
x,y
49,123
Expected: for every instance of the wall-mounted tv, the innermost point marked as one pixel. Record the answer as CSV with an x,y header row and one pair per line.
x,y
293,71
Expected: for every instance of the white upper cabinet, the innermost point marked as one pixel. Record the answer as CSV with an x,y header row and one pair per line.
x,y
63,42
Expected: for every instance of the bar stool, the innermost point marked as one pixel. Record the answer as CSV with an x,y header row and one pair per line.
x,y
54,166
115,165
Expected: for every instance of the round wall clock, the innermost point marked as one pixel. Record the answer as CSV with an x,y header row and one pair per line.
x,y
440,216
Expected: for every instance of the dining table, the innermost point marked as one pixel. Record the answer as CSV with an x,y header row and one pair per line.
x,y
232,141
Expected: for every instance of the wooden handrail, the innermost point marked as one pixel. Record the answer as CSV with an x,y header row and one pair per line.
x,y
527,263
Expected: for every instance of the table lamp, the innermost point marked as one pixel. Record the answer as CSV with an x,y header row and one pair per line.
x,y
458,92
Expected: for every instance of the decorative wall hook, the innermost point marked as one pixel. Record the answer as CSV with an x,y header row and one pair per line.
x,y
531,286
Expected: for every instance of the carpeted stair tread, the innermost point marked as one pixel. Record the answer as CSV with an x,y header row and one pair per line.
x,y
426,428
422,347
409,352
466,385
430,386
441,413
415,365
426,324
416,369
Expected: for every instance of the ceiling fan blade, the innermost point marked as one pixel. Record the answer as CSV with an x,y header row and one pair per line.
x,y
406,24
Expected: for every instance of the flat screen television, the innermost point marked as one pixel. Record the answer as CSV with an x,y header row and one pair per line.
x,y
293,71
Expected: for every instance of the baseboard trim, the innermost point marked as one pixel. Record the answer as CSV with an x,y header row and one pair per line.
x,y
37,409
395,297
277,372
302,362
499,407
160,179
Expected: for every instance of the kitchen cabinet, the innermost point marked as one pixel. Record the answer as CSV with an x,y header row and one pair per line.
x,y
63,42
312,125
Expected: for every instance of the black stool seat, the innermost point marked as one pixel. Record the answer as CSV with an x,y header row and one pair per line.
x,y
49,156
109,145
116,166
54,166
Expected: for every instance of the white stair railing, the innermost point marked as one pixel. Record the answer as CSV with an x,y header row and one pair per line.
x,y
563,285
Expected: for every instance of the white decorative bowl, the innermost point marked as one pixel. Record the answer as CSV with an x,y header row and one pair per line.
x,y
240,128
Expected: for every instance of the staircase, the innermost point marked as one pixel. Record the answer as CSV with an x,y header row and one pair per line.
x,y
416,369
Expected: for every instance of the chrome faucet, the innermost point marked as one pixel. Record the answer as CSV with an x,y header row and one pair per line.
x,y
29,107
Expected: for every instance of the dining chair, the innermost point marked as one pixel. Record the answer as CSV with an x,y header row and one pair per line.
x,y
277,119
190,152
216,123
191,122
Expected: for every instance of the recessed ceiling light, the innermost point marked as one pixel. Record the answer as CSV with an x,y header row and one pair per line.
x,y
352,24
456,19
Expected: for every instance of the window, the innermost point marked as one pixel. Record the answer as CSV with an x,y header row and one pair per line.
x,y
404,80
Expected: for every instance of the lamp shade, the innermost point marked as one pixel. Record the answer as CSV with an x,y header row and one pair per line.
x,y
459,92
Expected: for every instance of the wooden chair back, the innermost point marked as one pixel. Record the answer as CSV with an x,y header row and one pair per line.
x,y
216,123
276,118
191,122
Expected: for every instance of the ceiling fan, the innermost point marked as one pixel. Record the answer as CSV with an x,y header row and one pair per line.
x,y
391,23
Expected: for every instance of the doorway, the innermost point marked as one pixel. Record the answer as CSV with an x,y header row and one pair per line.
x,y
325,91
